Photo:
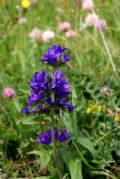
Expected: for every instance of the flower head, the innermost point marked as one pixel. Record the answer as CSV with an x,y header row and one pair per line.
x,y
9,93
88,5
25,3
64,136
101,24
47,36
70,34
93,107
36,35
48,91
56,55
46,138
105,91
91,20
63,26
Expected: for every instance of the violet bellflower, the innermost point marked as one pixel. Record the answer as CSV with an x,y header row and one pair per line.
x,y
48,92
56,55
46,138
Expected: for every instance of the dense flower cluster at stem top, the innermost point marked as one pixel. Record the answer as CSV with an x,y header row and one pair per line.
x,y
46,138
56,55
48,92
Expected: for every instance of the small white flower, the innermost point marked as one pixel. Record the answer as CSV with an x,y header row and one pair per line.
x,y
36,35
48,35
91,20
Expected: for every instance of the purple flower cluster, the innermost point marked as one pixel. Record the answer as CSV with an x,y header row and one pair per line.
x,y
56,55
46,138
48,92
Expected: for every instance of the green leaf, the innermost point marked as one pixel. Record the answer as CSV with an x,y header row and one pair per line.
x,y
17,104
64,155
34,152
105,173
75,169
74,97
29,121
85,142
44,177
44,154
48,177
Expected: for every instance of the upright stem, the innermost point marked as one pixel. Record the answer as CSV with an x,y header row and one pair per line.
x,y
54,146
41,127
65,4
108,51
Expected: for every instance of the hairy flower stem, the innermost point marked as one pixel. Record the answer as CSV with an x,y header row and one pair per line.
x,y
54,145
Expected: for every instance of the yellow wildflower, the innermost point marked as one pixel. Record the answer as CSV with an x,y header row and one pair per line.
x,y
94,108
25,3
98,108
88,110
